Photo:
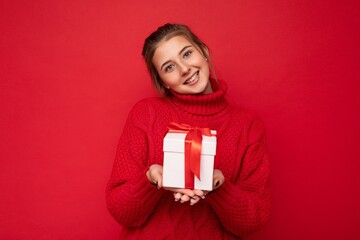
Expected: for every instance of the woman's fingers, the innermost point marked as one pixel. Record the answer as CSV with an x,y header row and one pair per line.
x,y
181,197
183,191
218,179
194,200
199,193
177,196
159,181
154,175
184,198
187,195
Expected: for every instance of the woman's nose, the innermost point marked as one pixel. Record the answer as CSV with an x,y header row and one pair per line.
x,y
184,69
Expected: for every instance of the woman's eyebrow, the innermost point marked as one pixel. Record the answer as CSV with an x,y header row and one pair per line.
x,y
182,50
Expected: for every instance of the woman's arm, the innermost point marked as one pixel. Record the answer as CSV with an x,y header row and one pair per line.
x,y
244,206
129,194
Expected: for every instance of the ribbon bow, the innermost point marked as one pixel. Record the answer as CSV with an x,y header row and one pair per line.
x,y
193,143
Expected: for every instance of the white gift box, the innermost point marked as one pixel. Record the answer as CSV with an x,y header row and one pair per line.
x,y
174,161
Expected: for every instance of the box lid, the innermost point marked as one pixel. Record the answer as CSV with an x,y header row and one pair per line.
x,y
175,142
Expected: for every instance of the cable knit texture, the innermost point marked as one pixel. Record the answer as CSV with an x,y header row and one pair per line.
x,y
239,207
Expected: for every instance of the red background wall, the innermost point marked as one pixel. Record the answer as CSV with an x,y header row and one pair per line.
x,y
71,70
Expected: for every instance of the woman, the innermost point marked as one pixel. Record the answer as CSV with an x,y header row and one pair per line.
x,y
180,68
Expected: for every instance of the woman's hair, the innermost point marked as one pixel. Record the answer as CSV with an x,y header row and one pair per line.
x,y
166,32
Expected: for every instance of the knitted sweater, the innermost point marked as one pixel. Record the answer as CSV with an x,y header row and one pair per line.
x,y
239,207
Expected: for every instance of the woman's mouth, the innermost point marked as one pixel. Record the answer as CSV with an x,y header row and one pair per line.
x,y
193,79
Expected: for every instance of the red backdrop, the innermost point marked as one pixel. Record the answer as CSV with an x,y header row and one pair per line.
x,y
71,70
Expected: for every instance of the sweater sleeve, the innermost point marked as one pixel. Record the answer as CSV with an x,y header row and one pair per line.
x,y
130,196
244,206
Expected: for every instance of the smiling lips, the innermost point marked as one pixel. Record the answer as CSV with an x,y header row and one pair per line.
x,y
192,79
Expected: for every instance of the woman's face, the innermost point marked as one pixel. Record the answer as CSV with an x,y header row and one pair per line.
x,y
182,67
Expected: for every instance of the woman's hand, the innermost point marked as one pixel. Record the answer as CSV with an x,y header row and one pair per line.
x,y
154,174
194,196
185,195
218,179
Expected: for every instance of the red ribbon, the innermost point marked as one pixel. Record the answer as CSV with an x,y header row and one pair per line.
x,y
193,143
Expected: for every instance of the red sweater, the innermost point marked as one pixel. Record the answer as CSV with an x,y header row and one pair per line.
x,y
240,206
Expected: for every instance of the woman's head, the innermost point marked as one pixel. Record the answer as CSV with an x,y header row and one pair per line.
x,y
161,49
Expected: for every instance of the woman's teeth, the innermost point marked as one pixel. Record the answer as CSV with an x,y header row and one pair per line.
x,y
192,78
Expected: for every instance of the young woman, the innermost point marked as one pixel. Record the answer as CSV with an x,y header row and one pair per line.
x,y
181,70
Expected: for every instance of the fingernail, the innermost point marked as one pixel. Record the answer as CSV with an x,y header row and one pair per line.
x,y
181,201
176,200
203,197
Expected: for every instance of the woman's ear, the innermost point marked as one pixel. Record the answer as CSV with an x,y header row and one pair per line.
x,y
165,85
205,51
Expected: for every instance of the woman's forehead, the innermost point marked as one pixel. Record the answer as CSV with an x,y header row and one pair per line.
x,y
173,43
169,48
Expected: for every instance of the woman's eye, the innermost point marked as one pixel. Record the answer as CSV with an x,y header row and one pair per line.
x,y
187,53
169,68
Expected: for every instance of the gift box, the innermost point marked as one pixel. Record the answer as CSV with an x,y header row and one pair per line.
x,y
189,157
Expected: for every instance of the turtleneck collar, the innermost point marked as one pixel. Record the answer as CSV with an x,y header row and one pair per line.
x,y
202,104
